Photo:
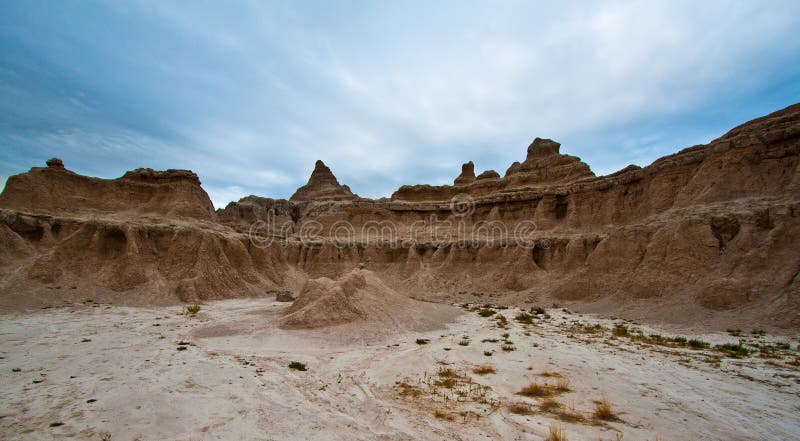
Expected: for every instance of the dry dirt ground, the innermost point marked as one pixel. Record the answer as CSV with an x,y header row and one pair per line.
x,y
89,371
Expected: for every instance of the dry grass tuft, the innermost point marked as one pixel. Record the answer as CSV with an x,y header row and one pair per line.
x,y
442,415
520,409
603,410
484,369
546,373
557,433
562,385
549,405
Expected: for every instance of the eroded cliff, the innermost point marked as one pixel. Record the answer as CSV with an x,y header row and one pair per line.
x,y
709,234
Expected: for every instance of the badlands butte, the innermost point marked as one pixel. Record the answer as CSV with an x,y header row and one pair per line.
x,y
708,236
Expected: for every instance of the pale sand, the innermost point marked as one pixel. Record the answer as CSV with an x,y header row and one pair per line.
x,y
232,382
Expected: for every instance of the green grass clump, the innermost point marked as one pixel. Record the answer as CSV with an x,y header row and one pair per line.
x,y
524,317
486,312
191,309
733,350
621,331
698,344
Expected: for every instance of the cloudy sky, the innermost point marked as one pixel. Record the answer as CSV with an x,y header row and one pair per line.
x,y
250,94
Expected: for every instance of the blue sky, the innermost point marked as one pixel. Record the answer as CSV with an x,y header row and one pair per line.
x,y
250,94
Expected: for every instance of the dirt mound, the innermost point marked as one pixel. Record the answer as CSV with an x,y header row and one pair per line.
x,y
360,296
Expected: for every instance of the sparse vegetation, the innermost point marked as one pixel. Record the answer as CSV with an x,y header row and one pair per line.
x,y
296,365
56,424
524,317
486,312
484,369
423,341
538,310
191,309
463,342
520,409
488,353
621,331
557,433
442,415
603,410
508,348
537,390
698,344
733,350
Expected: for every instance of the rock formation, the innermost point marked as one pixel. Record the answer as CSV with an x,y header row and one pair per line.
x,y
322,186
707,235
467,175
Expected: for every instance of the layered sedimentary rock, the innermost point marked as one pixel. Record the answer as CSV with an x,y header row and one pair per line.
x,y
56,190
709,234
323,185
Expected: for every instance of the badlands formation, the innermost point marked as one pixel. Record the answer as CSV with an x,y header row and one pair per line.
x,y
707,235
660,302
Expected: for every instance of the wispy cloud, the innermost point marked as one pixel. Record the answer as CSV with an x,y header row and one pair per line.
x,y
249,95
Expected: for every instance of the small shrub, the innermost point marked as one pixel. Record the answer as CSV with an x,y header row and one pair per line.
x,y
490,340
484,369
538,310
508,348
191,309
488,353
423,341
463,342
296,365
56,424
679,340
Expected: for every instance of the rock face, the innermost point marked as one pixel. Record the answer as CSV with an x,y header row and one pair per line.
x,y
544,165
323,186
709,235
467,175
142,192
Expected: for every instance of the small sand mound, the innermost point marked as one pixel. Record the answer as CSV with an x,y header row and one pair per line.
x,y
361,297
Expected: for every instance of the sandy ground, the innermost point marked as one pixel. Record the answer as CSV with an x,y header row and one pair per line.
x,y
107,372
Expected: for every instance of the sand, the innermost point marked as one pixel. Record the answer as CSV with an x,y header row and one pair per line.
x,y
232,380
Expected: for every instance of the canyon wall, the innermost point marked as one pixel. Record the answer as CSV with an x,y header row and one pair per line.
x,y
709,232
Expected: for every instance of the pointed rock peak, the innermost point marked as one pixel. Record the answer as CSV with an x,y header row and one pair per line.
x,y
322,185
467,175
322,173
540,148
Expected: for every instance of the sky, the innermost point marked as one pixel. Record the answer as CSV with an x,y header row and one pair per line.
x,y
248,94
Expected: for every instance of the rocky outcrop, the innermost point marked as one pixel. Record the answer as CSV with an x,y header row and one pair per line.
x,y
143,192
467,175
323,186
543,166
488,174
707,235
